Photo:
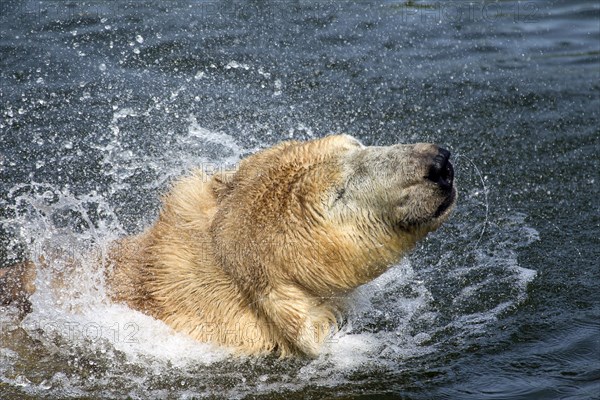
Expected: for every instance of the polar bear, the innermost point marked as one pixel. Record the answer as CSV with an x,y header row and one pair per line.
x,y
261,259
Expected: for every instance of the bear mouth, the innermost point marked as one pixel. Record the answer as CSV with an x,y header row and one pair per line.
x,y
448,201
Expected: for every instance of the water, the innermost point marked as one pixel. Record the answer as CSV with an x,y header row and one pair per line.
x,y
103,104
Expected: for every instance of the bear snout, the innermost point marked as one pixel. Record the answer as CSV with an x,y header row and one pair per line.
x,y
441,171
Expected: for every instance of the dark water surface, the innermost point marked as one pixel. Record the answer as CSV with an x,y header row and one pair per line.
x,y
102,104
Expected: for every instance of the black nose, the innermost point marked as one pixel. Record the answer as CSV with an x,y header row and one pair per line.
x,y
441,171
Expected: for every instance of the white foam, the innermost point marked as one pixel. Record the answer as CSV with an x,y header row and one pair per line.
x,y
237,65
137,335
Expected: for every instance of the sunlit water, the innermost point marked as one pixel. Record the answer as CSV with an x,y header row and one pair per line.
x,y
104,106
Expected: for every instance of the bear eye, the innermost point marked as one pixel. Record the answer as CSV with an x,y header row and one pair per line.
x,y
340,193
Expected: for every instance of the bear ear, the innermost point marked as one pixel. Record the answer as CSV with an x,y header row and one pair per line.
x,y
222,184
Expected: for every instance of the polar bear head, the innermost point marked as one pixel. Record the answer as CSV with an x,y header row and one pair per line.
x,y
329,213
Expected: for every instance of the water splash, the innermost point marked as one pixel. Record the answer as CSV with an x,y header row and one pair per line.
x,y
408,313
485,193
